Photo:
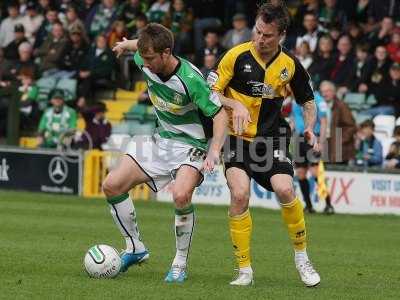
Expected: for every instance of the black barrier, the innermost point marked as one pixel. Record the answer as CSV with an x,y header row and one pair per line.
x,y
40,171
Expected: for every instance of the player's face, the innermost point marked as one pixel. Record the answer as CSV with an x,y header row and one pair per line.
x,y
154,61
266,37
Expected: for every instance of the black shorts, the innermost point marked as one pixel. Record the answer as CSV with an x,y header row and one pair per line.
x,y
260,159
304,156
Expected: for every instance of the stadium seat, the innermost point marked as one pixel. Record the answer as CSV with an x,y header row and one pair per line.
x,y
384,125
386,142
28,142
356,101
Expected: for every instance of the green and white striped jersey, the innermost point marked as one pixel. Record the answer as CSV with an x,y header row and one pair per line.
x,y
177,101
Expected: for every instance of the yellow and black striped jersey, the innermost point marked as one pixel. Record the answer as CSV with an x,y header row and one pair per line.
x,y
242,75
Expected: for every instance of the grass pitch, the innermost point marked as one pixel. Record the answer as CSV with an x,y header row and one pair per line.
x,y
43,239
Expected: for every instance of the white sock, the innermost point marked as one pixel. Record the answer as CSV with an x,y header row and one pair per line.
x,y
184,225
300,255
124,215
247,269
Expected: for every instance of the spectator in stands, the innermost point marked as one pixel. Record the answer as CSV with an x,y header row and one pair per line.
x,y
329,14
378,70
117,33
361,69
311,6
140,23
355,33
31,21
207,15
240,33
28,100
341,127
303,54
381,35
86,8
130,9
362,11
50,52
101,17
393,156
158,10
209,64
369,148
387,94
56,121
98,128
393,48
212,46
72,19
341,73
46,27
323,61
44,6
311,32
383,8
25,60
75,51
180,20
96,70
8,24
11,50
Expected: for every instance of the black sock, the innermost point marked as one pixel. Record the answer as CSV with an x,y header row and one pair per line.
x,y
305,190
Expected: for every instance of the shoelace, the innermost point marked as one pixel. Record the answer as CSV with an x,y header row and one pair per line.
x,y
309,268
176,270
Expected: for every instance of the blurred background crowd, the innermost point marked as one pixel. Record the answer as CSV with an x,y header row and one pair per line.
x,y
56,59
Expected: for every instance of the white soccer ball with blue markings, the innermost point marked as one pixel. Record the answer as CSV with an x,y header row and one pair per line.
x,y
102,261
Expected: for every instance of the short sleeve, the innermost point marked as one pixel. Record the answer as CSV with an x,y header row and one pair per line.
x,y
301,84
219,79
138,59
206,100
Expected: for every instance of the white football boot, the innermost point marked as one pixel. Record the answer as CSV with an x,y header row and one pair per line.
x,y
243,278
307,273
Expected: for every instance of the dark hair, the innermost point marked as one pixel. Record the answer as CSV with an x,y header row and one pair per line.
x,y
276,12
155,36
364,47
367,123
396,130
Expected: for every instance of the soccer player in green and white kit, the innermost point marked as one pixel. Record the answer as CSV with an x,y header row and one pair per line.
x,y
178,150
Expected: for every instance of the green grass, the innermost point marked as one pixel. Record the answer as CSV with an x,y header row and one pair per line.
x,y
43,239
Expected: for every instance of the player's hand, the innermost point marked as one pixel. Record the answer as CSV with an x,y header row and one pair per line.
x,y
120,47
211,160
240,118
312,139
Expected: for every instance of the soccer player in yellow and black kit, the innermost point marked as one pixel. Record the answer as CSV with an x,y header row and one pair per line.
x,y
252,79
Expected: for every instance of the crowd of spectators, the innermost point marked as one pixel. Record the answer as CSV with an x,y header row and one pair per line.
x,y
353,46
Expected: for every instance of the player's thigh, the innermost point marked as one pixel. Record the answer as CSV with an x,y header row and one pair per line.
x,y
122,178
186,179
239,185
282,185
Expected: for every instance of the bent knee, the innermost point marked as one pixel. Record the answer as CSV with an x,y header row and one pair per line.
x,y
112,187
181,197
285,193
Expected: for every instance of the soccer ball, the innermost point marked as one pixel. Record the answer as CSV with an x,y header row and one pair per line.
x,y
102,261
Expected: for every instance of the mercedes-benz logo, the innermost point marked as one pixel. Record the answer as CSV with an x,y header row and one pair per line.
x,y
58,170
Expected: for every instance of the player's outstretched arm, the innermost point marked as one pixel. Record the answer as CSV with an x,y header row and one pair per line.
x,y
125,45
220,125
240,114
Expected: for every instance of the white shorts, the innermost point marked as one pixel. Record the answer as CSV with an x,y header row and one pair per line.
x,y
161,158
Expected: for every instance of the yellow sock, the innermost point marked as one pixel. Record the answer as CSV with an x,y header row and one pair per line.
x,y
293,216
240,228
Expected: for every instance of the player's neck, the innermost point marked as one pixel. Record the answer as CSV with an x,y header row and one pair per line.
x,y
266,57
170,66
